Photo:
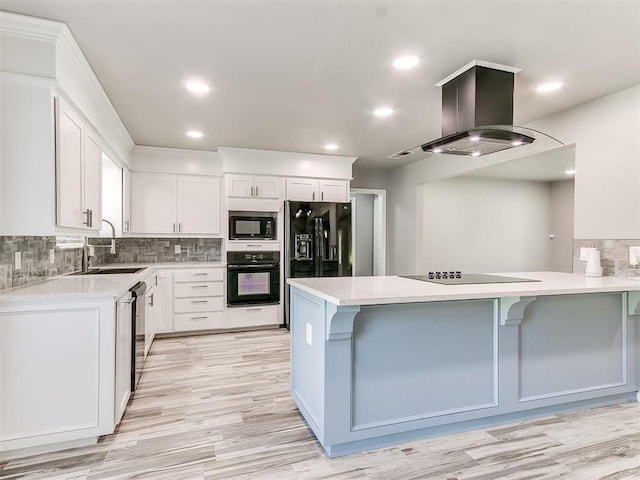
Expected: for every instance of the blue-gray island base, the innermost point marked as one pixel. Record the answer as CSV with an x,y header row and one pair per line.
x,y
372,375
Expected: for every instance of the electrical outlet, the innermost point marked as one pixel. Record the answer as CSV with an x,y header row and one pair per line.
x,y
18,260
52,256
309,330
178,249
634,256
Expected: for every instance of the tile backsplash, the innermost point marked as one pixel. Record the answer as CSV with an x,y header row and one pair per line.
x,y
156,250
36,264
613,253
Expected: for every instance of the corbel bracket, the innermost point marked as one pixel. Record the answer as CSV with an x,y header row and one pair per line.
x,y
339,321
512,309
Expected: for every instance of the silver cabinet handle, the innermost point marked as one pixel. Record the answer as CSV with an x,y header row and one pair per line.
x,y
199,301
151,300
90,218
174,227
87,222
257,194
199,286
200,274
199,318
321,195
254,309
252,190
255,246
179,227
127,228
313,195
156,280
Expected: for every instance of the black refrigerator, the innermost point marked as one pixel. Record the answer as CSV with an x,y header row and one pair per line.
x,y
318,242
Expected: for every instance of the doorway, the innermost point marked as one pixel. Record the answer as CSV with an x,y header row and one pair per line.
x,y
369,207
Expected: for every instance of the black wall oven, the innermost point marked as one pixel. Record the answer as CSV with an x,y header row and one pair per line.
x,y
253,278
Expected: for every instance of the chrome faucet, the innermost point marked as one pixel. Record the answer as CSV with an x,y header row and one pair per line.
x,y
112,251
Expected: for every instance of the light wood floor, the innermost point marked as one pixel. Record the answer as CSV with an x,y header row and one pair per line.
x,y
218,407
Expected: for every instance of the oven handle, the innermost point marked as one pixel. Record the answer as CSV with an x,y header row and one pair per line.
x,y
261,265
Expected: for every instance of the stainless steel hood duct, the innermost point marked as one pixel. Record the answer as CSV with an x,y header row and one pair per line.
x,y
477,111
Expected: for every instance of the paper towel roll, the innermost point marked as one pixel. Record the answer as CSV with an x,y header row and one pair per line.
x,y
594,269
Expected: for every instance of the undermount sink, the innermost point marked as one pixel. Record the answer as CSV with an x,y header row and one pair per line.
x,y
105,271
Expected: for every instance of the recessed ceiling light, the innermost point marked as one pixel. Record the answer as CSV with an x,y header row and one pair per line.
x,y
570,172
549,87
406,62
383,112
331,146
194,134
475,154
197,88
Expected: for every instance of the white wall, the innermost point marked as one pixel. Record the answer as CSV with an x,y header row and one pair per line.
x,y
562,194
484,225
606,132
363,233
376,178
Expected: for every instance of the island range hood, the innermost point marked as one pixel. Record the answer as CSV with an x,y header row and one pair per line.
x,y
477,111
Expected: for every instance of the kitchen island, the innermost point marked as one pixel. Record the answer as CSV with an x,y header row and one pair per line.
x,y
377,361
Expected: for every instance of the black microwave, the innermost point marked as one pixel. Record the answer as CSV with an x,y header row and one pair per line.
x,y
243,227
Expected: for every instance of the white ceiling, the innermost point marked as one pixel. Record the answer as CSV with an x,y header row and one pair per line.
x,y
294,75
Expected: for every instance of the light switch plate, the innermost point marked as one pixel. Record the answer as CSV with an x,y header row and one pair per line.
x,y
178,249
18,260
309,331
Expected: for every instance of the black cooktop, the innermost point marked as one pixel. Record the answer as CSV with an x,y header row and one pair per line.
x,y
457,278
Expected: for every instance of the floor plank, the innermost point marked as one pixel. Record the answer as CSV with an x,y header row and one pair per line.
x,y
214,407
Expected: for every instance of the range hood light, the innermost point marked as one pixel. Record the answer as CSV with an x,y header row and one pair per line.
x,y
516,143
475,138
475,154
437,150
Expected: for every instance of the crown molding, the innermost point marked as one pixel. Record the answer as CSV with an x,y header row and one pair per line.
x,y
30,27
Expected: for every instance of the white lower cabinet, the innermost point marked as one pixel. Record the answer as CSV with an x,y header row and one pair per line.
x,y
265,315
198,299
57,373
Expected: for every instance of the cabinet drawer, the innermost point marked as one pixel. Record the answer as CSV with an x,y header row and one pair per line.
x,y
204,321
199,275
253,316
204,289
204,304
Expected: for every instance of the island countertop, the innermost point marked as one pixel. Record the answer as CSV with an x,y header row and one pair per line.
x,y
382,290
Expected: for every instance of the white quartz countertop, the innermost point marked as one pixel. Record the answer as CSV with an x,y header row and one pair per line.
x,y
392,289
69,287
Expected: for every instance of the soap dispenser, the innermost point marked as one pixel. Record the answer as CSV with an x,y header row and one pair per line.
x,y
594,269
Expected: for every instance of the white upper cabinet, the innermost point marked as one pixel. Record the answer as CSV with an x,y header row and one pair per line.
x,y
126,200
314,190
183,204
253,186
78,166
199,204
153,203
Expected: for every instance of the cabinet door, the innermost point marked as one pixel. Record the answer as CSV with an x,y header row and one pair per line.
x,y
123,357
92,180
333,191
268,187
69,169
302,189
126,200
199,205
150,309
153,203
239,185
162,321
